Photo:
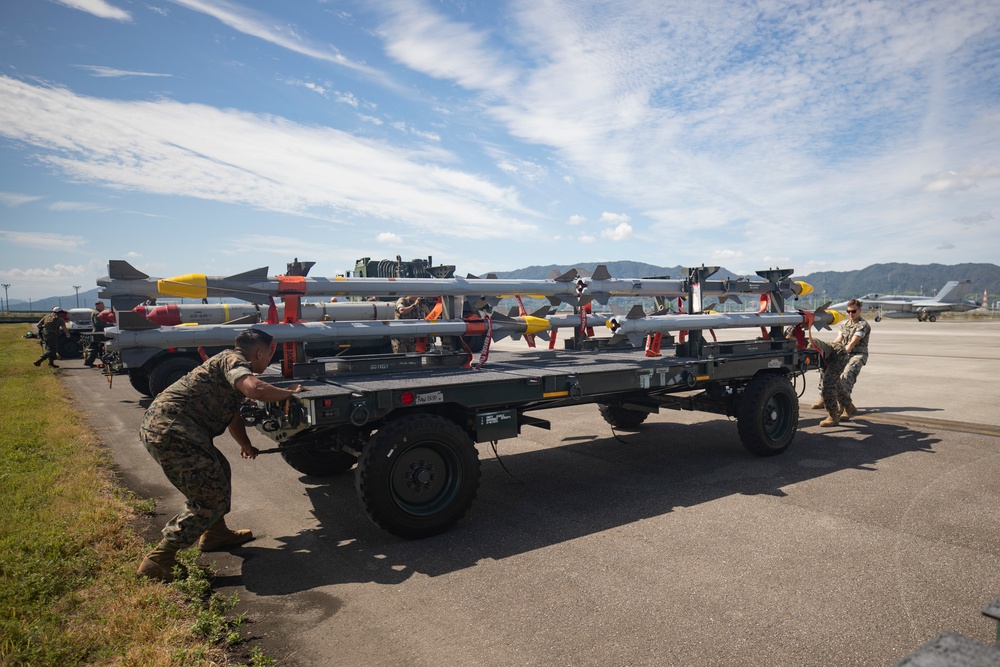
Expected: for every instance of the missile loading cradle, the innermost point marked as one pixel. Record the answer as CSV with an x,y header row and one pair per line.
x,y
408,423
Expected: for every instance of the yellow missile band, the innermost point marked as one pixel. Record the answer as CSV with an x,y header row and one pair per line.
x,y
535,324
225,312
838,317
805,287
554,394
189,286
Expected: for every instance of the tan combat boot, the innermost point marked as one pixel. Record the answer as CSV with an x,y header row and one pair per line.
x,y
159,563
834,416
848,412
220,537
818,405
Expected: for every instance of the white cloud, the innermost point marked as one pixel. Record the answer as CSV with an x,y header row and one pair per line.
x,y
614,218
587,238
76,206
257,24
576,219
430,43
620,232
98,8
110,72
389,238
43,240
266,162
14,200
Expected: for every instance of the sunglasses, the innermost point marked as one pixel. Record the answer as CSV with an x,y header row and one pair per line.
x,y
852,311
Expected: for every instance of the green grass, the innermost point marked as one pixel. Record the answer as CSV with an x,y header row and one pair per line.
x,y
69,594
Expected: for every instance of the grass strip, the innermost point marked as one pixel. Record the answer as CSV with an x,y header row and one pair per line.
x,y
69,594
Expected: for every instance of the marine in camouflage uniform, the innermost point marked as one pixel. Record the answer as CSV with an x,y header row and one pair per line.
x,y
844,366
97,337
178,431
51,328
408,308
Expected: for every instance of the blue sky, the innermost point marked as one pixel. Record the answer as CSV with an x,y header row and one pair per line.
x,y
217,136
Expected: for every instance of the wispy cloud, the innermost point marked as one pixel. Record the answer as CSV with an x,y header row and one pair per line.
x,y
76,206
111,72
761,119
43,240
258,24
261,161
14,200
98,8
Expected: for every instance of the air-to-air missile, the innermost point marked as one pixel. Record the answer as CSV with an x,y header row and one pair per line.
x,y
136,331
172,314
126,286
636,325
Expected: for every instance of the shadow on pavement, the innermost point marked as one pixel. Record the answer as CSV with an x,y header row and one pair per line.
x,y
589,484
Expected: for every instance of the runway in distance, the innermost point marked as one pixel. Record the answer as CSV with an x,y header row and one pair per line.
x,y
925,309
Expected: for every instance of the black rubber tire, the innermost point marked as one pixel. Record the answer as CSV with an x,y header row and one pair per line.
x,y
69,348
623,418
418,475
319,460
168,372
140,382
768,414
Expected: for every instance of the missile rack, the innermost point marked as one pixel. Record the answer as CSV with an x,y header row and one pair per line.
x,y
408,423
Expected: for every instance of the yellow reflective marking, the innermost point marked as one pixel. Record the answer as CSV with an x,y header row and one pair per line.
x,y
554,394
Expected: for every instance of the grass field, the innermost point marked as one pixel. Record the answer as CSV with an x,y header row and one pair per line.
x,y
69,594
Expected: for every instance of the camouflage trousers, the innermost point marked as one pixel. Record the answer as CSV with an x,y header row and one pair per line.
x,y
837,382
200,472
50,343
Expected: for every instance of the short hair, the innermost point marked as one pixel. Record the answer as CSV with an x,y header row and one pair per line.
x,y
855,303
253,338
98,303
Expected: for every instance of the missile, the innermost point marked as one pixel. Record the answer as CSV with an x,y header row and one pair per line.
x,y
172,314
636,325
127,286
133,330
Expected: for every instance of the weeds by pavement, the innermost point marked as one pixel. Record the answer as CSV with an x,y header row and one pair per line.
x,y
69,594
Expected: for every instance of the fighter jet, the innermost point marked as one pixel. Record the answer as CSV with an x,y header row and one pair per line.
x,y
923,308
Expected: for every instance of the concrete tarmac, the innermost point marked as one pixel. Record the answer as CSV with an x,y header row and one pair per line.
x,y
671,545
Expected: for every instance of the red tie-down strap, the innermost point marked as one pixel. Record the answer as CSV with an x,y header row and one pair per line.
x,y
485,354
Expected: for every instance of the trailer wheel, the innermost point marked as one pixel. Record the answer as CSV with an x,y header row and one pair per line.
x,y
623,418
69,347
418,475
168,372
319,460
140,382
768,414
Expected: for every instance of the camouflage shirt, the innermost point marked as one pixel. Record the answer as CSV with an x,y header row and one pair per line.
x,y
860,328
418,313
51,324
202,403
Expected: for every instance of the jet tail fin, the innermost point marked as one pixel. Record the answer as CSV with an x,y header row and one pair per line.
x,y
952,291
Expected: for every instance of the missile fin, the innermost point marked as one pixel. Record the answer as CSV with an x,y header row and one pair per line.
x,y
567,277
601,273
541,312
119,269
635,339
469,276
637,313
554,300
544,335
131,321
500,317
254,274
601,297
584,299
491,276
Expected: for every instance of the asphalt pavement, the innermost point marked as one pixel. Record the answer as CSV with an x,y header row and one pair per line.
x,y
671,545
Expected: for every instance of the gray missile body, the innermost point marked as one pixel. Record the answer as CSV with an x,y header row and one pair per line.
x,y
127,286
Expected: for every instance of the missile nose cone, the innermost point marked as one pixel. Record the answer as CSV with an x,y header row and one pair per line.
x,y
838,317
187,286
805,288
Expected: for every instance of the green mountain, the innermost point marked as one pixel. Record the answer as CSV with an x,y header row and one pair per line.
x,y
894,278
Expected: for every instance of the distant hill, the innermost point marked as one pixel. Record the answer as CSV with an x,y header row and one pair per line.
x,y
895,278
620,269
915,279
